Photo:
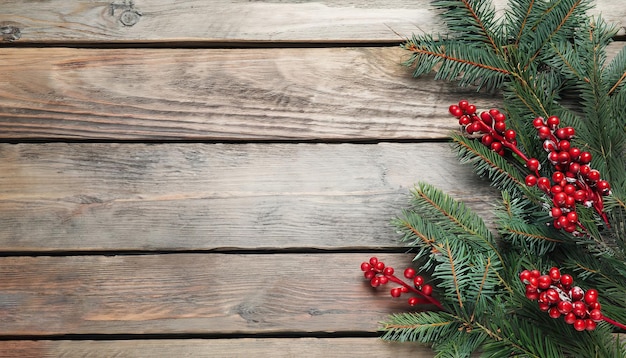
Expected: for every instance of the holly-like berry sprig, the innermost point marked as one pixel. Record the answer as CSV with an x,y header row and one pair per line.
x,y
378,274
573,181
556,295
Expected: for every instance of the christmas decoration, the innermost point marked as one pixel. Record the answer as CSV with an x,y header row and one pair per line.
x,y
556,150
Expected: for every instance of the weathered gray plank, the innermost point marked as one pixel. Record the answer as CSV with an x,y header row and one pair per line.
x,y
223,348
59,21
217,196
223,94
192,293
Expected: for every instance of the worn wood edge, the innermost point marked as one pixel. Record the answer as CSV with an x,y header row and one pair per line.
x,y
100,197
330,94
246,347
62,22
198,294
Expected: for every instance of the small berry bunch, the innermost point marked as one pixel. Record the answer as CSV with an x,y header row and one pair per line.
x,y
573,180
556,295
378,274
491,128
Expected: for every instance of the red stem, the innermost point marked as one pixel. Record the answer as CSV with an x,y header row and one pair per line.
x,y
615,323
430,299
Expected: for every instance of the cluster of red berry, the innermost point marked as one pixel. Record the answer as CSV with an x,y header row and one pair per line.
x,y
378,274
556,295
492,129
573,180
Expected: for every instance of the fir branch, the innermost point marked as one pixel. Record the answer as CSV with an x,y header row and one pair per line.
x,y
618,83
454,274
442,55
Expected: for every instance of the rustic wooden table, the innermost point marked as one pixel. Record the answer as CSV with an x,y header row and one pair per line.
x,y
204,178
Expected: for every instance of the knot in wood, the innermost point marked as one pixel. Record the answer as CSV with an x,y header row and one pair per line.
x,y
130,17
10,33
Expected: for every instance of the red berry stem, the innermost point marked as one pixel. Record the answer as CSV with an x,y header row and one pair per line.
x,y
379,274
615,323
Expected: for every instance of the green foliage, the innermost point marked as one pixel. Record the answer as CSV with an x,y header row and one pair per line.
x,y
545,57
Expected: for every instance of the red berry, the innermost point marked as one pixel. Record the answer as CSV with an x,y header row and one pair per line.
x,y
603,186
544,282
538,122
565,145
493,111
379,266
593,175
544,132
486,139
463,104
570,318
369,274
572,217
464,120
561,133
427,290
554,312
590,325
543,183
569,189
373,261
576,293
418,281
388,271
544,306
591,295
580,325
532,295
553,121
552,295
455,110
413,301
531,180
396,292
564,157
499,126
509,135
533,164
496,146
499,117
585,158
574,153
580,195
375,282
524,276
365,266
409,272
567,280
548,145
486,117
595,314
383,280
570,132
564,307
470,109
556,212
555,274
557,176
557,188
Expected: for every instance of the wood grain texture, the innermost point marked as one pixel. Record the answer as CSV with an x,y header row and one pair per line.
x,y
192,294
217,196
223,348
221,94
59,21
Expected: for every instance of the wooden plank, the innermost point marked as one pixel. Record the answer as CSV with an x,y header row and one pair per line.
x,y
59,21
93,196
192,294
221,94
224,348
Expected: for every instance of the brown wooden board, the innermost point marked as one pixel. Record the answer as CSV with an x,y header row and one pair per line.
x,y
90,196
59,21
223,348
222,94
192,294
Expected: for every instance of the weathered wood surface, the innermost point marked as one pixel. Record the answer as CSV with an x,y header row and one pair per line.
x,y
192,294
221,94
338,94
159,21
223,348
89,196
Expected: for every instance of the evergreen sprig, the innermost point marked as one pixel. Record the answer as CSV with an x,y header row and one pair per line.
x,y
545,57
